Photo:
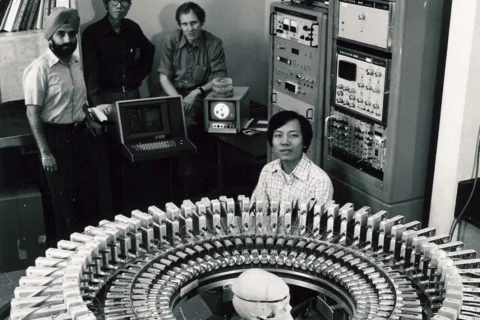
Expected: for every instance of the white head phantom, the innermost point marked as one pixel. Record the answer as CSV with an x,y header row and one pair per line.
x,y
259,294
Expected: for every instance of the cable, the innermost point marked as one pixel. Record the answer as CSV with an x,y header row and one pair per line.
x,y
475,175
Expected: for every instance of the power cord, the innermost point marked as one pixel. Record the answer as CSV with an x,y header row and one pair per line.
x,y
475,176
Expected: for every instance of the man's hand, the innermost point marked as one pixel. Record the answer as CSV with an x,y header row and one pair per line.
x,y
49,163
189,100
95,128
106,108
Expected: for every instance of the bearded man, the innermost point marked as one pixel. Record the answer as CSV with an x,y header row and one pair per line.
x,y
56,103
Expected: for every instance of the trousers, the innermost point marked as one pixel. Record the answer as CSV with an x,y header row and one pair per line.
x,y
71,187
107,167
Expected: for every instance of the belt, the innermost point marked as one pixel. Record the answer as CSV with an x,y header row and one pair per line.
x,y
67,126
122,89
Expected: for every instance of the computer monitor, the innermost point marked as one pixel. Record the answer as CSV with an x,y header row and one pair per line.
x,y
150,119
227,115
152,128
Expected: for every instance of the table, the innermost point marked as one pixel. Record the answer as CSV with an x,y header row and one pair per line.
x,y
14,127
255,146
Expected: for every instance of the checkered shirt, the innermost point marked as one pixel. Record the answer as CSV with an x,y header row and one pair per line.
x,y
306,181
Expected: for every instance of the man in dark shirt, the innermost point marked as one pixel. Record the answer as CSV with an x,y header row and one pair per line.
x,y
116,58
116,55
190,58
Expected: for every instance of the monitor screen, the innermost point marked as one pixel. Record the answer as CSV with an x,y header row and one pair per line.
x,y
347,70
222,111
145,118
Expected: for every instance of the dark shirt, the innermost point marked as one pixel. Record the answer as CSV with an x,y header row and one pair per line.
x,y
112,60
189,66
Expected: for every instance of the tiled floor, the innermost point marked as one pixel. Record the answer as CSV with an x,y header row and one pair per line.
x,y
8,282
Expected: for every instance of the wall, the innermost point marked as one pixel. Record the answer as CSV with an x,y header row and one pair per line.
x,y
460,119
18,50
239,24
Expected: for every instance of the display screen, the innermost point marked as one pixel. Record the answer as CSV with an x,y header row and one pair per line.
x,y
290,87
145,119
347,70
222,111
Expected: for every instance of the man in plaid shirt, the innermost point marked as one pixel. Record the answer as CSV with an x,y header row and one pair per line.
x,y
293,176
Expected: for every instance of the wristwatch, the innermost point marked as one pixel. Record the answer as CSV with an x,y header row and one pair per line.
x,y
202,91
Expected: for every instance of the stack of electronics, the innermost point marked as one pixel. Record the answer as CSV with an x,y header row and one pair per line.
x,y
227,114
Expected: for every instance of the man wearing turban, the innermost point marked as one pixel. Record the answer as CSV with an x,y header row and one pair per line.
x,y
56,102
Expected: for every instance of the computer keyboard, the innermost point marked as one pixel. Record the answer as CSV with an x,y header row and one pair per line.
x,y
158,149
152,146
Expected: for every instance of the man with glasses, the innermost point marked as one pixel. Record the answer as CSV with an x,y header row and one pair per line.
x,y
117,57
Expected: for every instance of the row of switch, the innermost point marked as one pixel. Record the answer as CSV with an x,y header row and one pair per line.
x,y
351,103
308,85
302,78
371,72
222,126
302,37
357,150
368,87
363,150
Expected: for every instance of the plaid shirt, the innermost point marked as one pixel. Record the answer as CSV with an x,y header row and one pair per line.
x,y
306,181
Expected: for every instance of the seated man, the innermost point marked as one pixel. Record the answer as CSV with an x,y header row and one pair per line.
x,y
190,58
292,176
259,294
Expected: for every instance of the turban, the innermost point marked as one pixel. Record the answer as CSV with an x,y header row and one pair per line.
x,y
59,17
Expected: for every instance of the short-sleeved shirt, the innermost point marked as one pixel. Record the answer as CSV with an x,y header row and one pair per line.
x,y
307,181
57,87
189,66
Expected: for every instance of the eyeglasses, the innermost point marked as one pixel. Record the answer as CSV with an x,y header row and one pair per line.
x,y
125,3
